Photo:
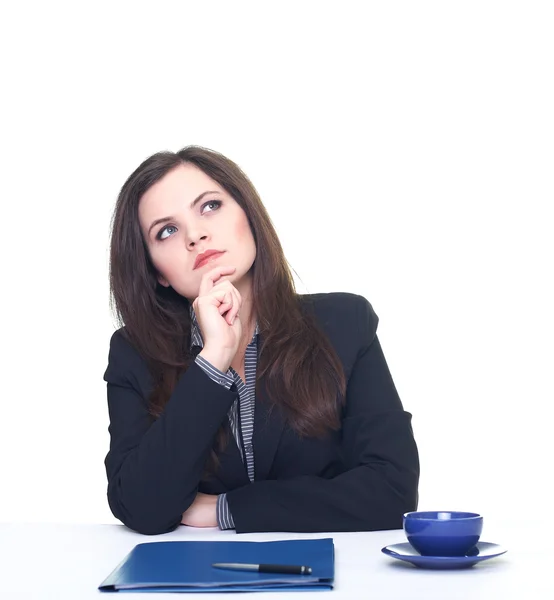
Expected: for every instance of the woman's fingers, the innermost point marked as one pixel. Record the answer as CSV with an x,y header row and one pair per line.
x,y
210,278
234,306
227,303
231,305
227,298
233,313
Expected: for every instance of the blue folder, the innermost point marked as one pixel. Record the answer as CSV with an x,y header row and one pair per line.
x,y
187,567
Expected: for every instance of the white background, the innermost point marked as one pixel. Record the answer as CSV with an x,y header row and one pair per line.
x,y
404,151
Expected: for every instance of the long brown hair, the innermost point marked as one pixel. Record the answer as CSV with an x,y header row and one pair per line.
x,y
303,373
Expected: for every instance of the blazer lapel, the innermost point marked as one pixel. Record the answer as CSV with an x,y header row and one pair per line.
x,y
232,472
268,428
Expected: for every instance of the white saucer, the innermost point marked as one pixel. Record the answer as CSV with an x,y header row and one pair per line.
x,y
406,552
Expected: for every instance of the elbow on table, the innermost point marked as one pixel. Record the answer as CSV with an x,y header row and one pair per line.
x,y
147,524
390,513
400,502
407,503
398,495
144,520
151,528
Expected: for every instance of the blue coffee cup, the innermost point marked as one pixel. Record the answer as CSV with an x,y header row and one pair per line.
x,y
443,533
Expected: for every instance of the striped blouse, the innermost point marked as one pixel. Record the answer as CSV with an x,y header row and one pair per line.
x,y
241,413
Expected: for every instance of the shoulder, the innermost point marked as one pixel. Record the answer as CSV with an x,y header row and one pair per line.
x,y
125,364
348,320
121,348
345,307
335,300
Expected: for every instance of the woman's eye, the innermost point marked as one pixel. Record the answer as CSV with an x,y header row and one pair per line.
x,y
170,229
215,203
161,235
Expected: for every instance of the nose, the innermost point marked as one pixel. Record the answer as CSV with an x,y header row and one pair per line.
x,y
193,239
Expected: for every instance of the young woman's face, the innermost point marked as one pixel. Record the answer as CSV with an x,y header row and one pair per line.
x,y
195,214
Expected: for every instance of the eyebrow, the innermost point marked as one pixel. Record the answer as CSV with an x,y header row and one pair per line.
x,y
192,205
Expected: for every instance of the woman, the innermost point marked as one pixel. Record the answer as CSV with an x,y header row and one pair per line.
x,y
234,401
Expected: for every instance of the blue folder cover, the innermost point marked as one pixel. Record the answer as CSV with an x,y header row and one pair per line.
x,y
187,567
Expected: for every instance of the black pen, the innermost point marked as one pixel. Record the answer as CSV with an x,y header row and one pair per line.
x,y
290,569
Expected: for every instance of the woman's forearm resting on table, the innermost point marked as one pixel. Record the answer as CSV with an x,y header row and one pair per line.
x,y
371,496
154,467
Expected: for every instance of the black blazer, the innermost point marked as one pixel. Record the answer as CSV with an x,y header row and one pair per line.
x,y
363,477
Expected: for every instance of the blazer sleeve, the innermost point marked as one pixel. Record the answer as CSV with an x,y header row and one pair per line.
x,y
378,446
154,466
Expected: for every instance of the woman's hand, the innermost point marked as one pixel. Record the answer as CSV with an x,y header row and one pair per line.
x,y
202,512
216,309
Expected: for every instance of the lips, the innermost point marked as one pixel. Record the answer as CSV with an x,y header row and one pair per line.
x,y
201,259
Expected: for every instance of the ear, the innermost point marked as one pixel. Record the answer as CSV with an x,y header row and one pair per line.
x,y
163,281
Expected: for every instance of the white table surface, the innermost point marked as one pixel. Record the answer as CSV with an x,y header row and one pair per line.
x,y
43,561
